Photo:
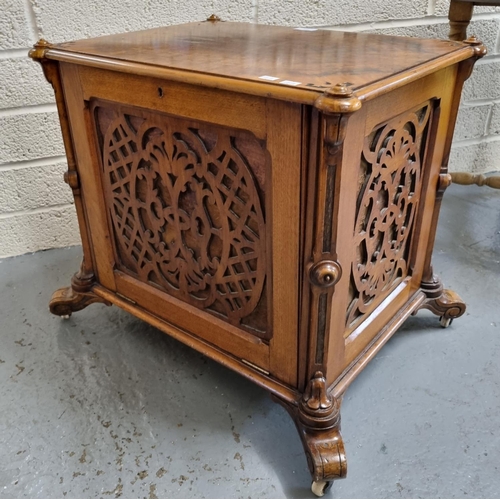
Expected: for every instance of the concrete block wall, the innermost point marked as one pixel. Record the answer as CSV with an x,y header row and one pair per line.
x,y
36,210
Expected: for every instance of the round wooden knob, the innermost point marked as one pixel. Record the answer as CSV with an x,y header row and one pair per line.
x,y
325,273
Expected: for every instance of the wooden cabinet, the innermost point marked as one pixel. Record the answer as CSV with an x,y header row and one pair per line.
x,y
268,196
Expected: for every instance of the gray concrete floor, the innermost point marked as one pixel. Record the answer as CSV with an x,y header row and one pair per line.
x,y
102,405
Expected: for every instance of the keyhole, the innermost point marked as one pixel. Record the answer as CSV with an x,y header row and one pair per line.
x,y
160,92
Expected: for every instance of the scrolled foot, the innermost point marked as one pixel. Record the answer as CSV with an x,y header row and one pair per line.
x,y
317,418
447,306
442,302
76,297
66,301
325,453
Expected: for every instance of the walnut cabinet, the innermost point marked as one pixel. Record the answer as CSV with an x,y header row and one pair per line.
x,y
268,196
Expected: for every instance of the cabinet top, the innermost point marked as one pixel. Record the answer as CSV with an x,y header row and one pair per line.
x,y
291,63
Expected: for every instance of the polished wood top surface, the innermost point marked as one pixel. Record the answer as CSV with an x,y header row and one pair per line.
x,y
296,58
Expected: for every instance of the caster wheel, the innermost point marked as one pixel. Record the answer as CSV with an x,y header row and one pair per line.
x,y
65,316
319,488
445,322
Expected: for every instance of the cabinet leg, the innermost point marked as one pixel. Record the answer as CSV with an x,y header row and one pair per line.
x,y
317,418
444,303
76,297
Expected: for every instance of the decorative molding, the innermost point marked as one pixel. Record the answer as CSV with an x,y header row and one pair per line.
x,y
72,179
480,49
39,50
213,18
338,99
316,398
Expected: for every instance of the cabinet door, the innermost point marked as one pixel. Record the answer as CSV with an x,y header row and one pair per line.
x,y
191,183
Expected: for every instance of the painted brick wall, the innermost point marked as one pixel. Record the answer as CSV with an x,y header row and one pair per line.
x,y
36,211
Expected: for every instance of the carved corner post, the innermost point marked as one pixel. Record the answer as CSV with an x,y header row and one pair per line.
x,y
442,302
322,269
317,413
74,298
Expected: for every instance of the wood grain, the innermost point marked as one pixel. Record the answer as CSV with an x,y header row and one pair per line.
x,y
313,61
284,229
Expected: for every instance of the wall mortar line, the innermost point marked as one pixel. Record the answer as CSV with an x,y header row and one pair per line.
x,y
487,123
27,110
14,53
35,32
255,10
38,162
479,140
35,211
431,7
479,103
403,23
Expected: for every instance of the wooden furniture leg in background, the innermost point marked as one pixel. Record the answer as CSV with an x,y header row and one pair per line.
x,y
459,15
467,179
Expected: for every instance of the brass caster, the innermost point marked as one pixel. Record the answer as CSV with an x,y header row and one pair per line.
x,y
319,488
445,322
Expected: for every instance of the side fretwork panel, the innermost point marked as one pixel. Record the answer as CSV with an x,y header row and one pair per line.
x,y
374,189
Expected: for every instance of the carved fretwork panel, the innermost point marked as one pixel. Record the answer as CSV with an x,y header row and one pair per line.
x,y
186,204
388,196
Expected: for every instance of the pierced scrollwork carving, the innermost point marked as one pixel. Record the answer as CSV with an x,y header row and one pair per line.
x,y
387,205
186,210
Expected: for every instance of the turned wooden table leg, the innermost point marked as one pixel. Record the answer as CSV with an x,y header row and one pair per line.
x,y
460,14
467,179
